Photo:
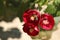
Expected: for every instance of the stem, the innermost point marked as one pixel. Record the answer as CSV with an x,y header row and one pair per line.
x,y
44,7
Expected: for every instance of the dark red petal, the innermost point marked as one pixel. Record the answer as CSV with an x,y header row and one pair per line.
x,y
50,20
27,15
34,32
28,26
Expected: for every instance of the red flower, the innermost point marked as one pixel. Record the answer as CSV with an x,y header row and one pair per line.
x,y
46,22
31,16
31,29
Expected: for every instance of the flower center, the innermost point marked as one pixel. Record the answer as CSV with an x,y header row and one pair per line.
x,y
31,30
45,22
34,17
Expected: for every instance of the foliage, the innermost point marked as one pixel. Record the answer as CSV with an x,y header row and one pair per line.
x,y
9,9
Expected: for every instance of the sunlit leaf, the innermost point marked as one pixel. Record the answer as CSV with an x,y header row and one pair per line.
x,y
57,2
42,2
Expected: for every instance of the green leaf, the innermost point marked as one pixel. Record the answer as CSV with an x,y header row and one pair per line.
x,y
51,9
58,13
57,2
57,19
42,2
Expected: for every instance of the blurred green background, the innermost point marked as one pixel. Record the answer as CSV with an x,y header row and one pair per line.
x,y
9,9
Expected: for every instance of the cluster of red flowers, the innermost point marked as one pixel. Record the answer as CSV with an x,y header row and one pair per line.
x,y
33,19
